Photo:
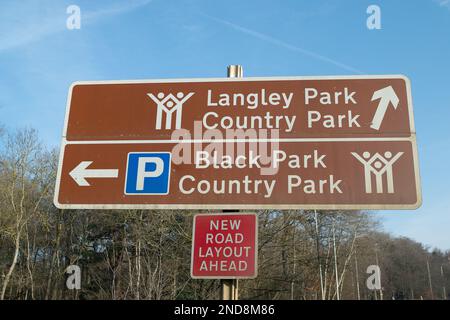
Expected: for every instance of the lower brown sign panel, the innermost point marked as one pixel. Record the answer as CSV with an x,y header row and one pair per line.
x,y
320,175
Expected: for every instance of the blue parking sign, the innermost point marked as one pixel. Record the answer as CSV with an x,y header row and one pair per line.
x,y
148,173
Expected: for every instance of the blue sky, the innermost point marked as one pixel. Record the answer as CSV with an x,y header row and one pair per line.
x,y
145,39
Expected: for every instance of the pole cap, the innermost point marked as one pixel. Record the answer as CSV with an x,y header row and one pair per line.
x,y
235,71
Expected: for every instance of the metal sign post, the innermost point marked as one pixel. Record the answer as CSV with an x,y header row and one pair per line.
x,y
230,287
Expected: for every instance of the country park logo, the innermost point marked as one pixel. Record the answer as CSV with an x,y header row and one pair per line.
x,y
169,104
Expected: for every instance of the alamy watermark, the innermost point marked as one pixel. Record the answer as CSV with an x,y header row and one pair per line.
x,y
374,20
73,21
373,282
73,281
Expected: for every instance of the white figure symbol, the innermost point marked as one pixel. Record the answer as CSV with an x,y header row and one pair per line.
x,y
169,104
378,166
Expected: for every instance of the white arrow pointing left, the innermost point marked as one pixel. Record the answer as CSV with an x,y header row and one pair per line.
x,y
81,172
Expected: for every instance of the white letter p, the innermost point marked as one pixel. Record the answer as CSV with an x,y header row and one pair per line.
x,y
142,173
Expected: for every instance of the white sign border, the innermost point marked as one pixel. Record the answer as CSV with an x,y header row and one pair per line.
x,y
261,79
413,206
412,139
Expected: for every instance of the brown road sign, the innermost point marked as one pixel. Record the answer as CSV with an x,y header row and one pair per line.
x,y
317,142
327,175
299,107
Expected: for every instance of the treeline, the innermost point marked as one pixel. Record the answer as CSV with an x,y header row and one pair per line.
x,y
137,254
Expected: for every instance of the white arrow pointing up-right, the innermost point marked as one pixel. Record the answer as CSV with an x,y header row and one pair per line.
x,y
81,172
386,96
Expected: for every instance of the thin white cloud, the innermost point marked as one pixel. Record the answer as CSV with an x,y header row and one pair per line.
x,y
280,43
27,26
443,3
116,9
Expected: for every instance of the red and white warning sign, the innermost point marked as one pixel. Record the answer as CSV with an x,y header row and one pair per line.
x,y
224,246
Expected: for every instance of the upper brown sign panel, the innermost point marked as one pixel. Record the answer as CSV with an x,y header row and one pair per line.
x,y
318,107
